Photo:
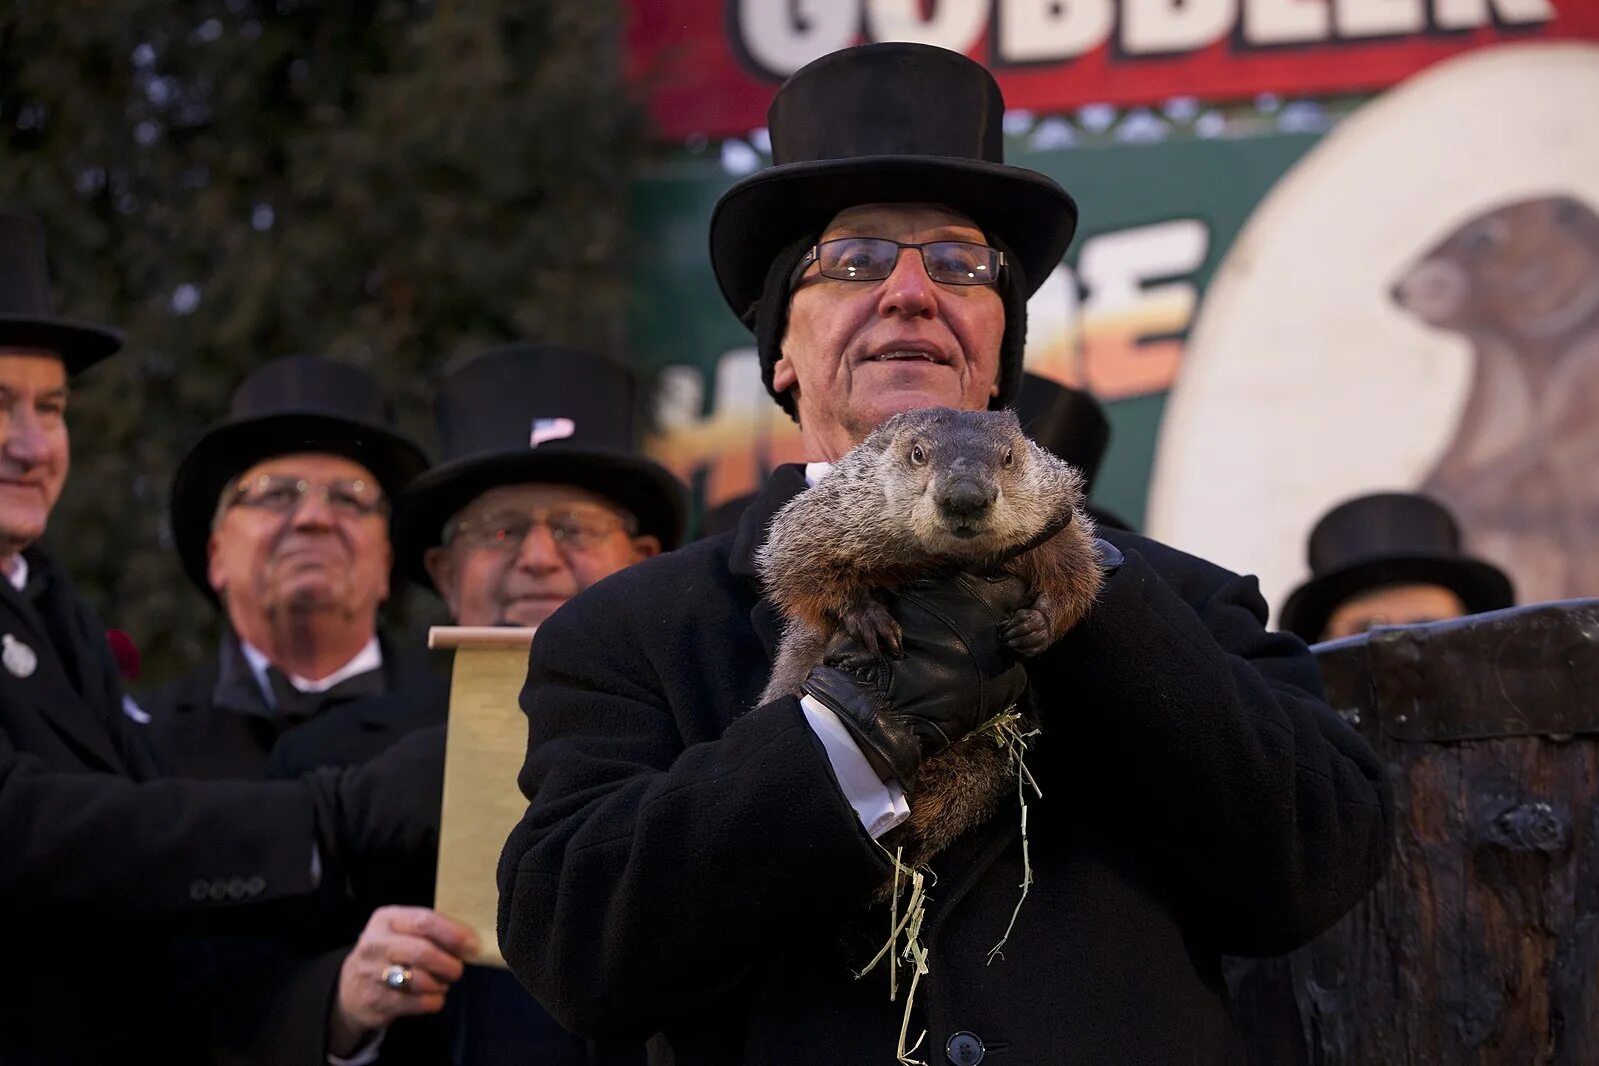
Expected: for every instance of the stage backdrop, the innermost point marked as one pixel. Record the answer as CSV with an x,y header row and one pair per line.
x,y
1110,319
1415,305
710,66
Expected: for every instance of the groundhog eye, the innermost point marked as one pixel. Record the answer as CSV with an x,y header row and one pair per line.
x,y
1009,458
918,454
1485,236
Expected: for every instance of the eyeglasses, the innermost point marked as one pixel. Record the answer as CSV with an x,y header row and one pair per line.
x,y
571,530
282,495
874,258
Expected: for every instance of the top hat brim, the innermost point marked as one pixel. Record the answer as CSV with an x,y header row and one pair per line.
x,y
79,346
763,214
234,445
1481,587
645,488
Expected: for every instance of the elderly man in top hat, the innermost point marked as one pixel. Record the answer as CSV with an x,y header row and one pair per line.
x,y
100,855
541,492
281,517
697,867
280,513
1390,558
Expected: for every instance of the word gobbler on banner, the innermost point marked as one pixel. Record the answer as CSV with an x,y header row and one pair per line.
x,y
710,66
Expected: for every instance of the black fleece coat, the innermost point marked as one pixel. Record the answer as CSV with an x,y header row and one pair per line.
x,y
94,853
264,1001
688,867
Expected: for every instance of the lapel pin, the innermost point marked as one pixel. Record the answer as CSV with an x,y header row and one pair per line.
x,y
18,657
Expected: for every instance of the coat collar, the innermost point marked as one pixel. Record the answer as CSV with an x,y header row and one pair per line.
x,y
78,721
784,484
236,689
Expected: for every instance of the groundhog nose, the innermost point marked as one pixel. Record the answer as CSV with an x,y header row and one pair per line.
x,y
966,498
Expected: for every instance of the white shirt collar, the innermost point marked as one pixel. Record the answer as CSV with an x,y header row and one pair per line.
x,y
815,472
19,572
368,658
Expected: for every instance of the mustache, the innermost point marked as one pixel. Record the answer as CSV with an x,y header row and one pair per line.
x,y
293,540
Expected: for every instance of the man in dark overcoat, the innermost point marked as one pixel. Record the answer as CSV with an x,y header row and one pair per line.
x,y
98,858
281,512
702,870
540,492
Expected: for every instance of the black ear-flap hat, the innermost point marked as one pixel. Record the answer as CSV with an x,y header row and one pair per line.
x,y
1073,425
27,318
1389,538
299,403
1067,421
536,413
886,123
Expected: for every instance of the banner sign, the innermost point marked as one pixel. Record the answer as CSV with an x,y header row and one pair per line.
x,y
1111,319
710,66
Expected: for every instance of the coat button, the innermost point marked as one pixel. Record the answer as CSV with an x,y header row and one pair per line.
x,y
197,891
964,1049
255,885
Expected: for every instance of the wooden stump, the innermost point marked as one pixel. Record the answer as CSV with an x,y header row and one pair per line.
x,y
1481,943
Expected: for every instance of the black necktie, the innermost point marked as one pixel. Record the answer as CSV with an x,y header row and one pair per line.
x,y
294,703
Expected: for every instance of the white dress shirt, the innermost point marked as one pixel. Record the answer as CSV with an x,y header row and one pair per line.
x,y
880,805
368,658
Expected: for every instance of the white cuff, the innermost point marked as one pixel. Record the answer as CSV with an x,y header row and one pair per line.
x,y
364,1055
879,805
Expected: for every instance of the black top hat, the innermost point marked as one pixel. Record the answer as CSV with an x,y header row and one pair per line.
x,y
26,316
527,413
886,123
1390,538
299,403
1067,421
1072,424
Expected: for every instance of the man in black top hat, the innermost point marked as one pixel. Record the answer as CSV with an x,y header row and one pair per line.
x,y
99,855
541,492
281,517
1390,558
280,513
698,867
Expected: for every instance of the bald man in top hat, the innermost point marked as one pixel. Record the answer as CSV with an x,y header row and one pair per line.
x,y
281,516
100,856
701,866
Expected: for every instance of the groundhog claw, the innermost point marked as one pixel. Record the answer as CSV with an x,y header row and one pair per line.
x,y
1027,632
872,627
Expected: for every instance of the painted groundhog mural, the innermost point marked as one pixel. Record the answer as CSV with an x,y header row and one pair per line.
x,y
1521,284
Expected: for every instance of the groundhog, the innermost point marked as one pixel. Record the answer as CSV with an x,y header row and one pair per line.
x,y
932,491
1521,284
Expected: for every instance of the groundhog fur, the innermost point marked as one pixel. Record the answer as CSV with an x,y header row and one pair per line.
x,y
931,491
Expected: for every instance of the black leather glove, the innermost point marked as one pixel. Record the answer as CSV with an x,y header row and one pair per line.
x,y
378,823
955,673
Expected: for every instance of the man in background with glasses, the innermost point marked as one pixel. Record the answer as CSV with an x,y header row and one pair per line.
x,y
281,517
541,493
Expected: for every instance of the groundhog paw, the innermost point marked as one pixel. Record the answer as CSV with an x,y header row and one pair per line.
x,y
1027,632
873,628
